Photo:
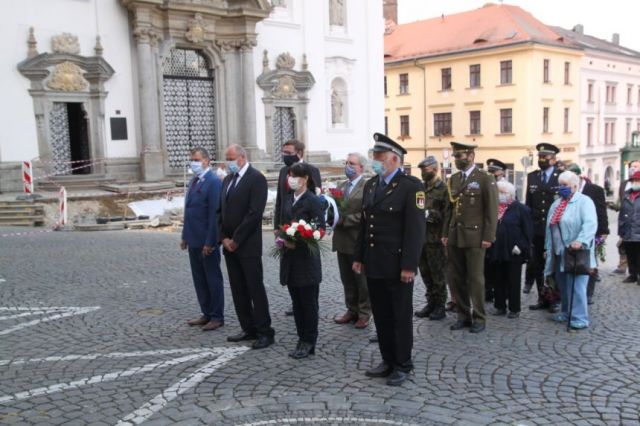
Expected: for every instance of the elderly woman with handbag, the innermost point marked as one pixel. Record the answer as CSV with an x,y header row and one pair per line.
x,y
569,249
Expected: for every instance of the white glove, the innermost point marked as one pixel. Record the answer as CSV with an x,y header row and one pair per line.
x,y
516,250
426,214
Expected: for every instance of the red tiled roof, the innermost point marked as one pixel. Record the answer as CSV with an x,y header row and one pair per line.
x,y
489,26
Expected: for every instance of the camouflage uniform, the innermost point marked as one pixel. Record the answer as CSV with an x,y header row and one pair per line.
x,y
433,261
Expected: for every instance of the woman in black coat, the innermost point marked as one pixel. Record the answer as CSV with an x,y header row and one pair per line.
x,y
510,250
300,269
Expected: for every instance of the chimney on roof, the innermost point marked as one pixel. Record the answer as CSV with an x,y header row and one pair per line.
x,y
579,29
390,10
615,39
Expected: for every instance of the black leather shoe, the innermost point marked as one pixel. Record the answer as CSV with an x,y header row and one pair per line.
x,y
397,378
459,325
293,352
304,350
262,342
289,312
499,312
527,288
540,305
629,279
513,315
425,312
382,370
477,327
243,335
438,314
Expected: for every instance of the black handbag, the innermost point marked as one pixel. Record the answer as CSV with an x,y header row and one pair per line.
x,y
577,262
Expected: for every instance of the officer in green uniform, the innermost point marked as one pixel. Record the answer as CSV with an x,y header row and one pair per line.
x,y
433,261
391,236
497,169
471,230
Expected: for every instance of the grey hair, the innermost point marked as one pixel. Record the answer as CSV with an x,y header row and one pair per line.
x,y
507,186
571,178
202,151
239,150
361,158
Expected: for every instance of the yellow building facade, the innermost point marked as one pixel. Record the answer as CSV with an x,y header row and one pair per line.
x,y
505,99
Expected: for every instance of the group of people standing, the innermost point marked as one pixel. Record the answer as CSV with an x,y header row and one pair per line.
x,y
469,233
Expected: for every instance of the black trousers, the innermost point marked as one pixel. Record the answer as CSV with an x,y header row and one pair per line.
x,y
535,267
249,295
305,311
392,306
507,285
490,277
633,256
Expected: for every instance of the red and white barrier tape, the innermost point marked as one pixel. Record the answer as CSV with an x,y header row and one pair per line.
x,y
67,171
27,177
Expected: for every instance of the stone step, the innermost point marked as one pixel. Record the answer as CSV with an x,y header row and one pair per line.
x,y
73,182
22,221
19,205
21,212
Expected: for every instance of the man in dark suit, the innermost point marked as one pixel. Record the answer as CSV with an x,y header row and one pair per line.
x,y
596,193
242,202
292,152
390,239
356,294
200,236
542,190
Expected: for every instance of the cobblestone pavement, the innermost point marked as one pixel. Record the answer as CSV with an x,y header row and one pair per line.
x,y
92,331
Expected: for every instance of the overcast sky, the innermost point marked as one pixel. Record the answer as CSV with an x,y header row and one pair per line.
x,y
600,18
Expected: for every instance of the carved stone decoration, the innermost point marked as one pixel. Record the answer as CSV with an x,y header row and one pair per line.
x,y
286,87
279,3
241,44
67,77
32,43
285,61
265,61
336,12
65,43
196,29
98,47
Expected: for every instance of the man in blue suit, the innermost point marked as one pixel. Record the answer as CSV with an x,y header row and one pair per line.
x,y
200,236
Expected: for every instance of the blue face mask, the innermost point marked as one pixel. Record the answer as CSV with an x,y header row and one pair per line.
x,y
196,167
564,191
350,172
232,166
378,167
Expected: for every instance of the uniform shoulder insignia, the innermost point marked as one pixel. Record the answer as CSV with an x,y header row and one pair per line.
x,y
420,199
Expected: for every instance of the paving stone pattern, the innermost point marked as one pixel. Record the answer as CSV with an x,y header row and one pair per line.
x,y
526,371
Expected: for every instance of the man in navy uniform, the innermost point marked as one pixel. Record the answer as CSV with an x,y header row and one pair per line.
x,y
542,190
388,247
200,236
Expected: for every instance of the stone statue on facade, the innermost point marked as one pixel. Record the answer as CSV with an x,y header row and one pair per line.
x,y
336,108
336,12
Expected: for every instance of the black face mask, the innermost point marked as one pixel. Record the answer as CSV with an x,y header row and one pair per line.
x,y
427,176
462,164
290,159
543,164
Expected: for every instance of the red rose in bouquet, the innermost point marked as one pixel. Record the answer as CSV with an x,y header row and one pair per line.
x,y
291,235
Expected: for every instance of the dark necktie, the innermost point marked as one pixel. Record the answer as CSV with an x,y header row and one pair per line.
x,y
463,178
380,189
232,185
544,178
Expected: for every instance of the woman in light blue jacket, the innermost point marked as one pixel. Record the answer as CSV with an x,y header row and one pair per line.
x,y
572,222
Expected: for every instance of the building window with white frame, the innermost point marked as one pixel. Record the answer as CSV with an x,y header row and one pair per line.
x,y
545,71
629,94
404,126
506,72
442,124
474,123
566,120
590,133
506,121
545,120
611,93
474,75
446,78
404,83
567,73
590,92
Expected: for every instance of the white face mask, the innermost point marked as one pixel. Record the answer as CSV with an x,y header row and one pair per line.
x,y
294,183
504,198
196,167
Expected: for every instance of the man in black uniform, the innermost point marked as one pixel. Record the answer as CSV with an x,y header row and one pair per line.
x,y
542,190
390,240
498,169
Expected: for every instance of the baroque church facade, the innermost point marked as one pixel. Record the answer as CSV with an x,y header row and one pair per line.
x,y
121,90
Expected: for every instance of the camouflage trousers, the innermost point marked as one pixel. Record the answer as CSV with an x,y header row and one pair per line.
x,y
433,267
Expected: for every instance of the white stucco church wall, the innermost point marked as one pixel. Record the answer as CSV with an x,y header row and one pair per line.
x,y
343,54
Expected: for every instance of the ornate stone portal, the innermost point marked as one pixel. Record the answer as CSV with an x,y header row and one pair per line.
x,y
285,100
221,31
62,83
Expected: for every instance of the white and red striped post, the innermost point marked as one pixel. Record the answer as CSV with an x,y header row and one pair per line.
x,y
27,177
62,206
